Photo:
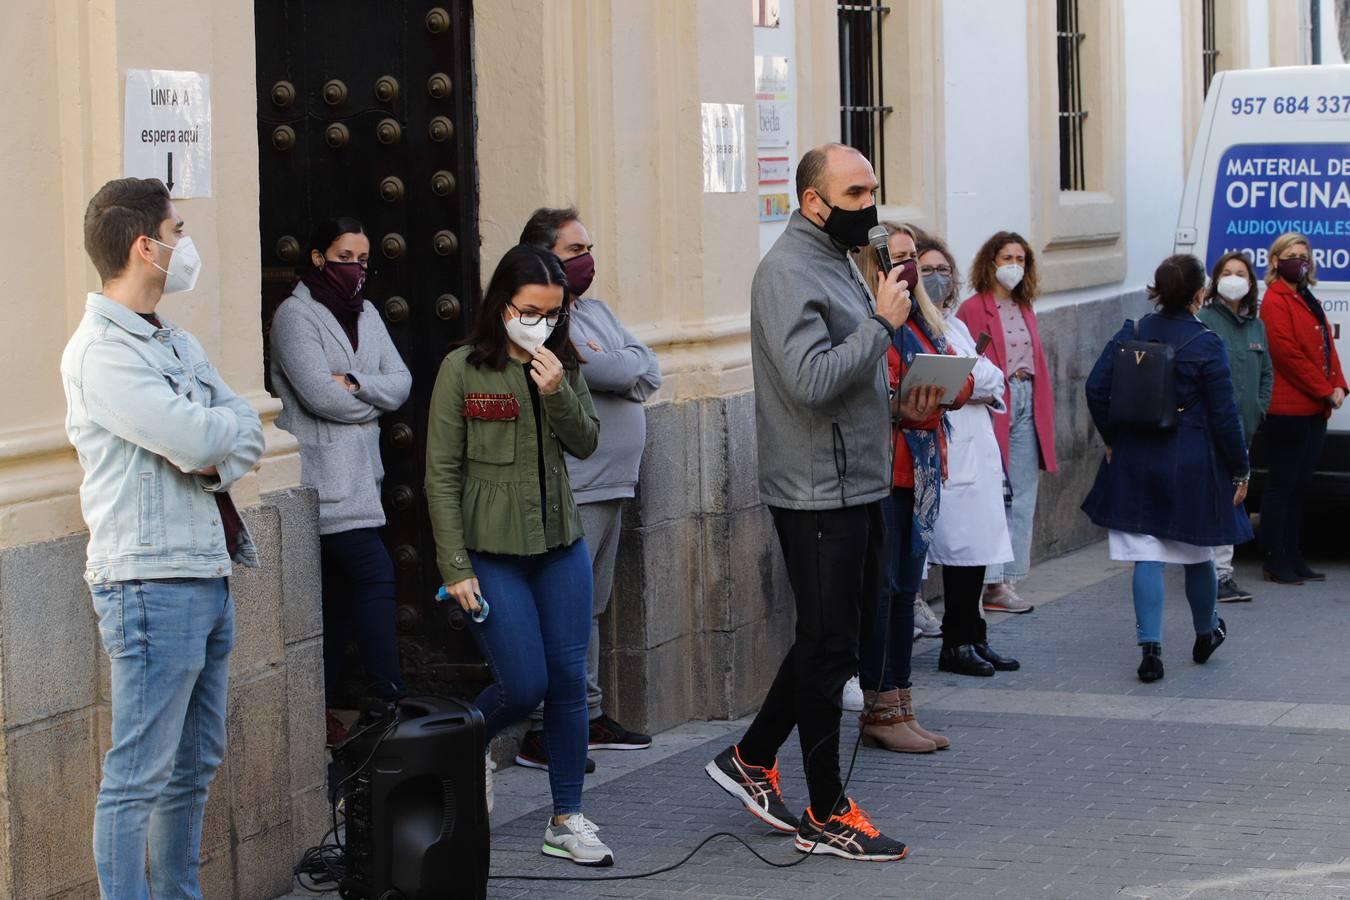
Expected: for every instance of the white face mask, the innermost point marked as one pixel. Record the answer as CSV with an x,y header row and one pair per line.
x,y
184,266
1233,287
528,337
1009,276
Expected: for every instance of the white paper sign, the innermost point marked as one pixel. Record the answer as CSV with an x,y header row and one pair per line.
x,y
167,130
723,148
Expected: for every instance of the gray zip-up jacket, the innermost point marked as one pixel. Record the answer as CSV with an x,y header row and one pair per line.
x,y
819,355
338,431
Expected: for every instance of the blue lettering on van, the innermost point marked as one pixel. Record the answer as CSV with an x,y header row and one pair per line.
x,y
1263,190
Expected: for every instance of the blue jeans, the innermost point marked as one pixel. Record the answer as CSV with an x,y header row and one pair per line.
x,y
535,638
1024,476
169,643
891,637
1202,588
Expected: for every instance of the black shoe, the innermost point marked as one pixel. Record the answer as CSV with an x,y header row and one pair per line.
x,y
1281,575
849,834
995,659
1207,643
1302,571
607,734
1229,592
1151,667
533,753
755,786
963,660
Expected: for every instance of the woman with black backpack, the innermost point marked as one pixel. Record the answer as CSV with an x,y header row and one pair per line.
x,y
1175,473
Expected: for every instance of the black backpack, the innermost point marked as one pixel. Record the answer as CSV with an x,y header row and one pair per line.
x,y
1143,385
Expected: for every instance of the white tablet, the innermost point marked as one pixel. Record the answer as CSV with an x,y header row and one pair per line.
x,y
947,372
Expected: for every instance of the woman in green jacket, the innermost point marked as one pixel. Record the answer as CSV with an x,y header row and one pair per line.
x,y
1230,312
508,535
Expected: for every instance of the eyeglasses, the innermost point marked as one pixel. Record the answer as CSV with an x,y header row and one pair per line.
x,y
935,270
554,318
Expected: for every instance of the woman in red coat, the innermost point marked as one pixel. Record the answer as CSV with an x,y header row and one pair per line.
x,y
1004,277
1309,384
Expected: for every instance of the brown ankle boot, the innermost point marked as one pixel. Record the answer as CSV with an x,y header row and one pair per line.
x,y
906,702
884,726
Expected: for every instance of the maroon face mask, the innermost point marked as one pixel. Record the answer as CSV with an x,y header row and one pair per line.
x,y
1292,270
338,284
580,272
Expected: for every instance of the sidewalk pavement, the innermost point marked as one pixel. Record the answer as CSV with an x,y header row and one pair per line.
x,y
1068,779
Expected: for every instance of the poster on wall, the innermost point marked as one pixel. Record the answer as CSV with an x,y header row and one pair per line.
x,y
767,13
774,170
774,207
773,103
723,148
167,130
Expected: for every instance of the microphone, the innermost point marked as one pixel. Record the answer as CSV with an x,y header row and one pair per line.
x,y
879,240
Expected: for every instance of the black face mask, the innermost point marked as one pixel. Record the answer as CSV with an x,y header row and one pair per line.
x,y
849,227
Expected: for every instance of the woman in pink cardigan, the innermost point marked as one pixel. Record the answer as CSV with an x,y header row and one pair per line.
x,y
1004,277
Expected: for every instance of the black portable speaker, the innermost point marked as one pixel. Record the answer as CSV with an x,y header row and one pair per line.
x,y
417,822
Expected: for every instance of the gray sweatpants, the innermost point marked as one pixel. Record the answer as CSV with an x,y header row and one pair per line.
x,y
602,523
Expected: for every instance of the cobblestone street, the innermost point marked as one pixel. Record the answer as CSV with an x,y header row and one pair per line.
x,y
1068,779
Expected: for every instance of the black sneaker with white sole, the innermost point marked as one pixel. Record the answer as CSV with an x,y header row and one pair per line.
x,y
755,786
1229,592
607,734
850,835
533,753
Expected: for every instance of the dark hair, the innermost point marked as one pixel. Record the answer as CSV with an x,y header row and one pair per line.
x,y
811,169
121,213
1248,305
926,242
325,233
1176,283
985,264
522,265
544,224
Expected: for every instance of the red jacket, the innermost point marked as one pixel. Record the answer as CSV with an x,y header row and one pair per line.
x,y
903,474
980,313
1304,376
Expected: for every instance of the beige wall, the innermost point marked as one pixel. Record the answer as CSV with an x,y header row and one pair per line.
x,y
71,58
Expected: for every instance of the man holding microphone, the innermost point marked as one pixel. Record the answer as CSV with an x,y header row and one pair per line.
x,y
822,418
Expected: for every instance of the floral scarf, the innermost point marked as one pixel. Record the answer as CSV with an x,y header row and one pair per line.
x,y
923,445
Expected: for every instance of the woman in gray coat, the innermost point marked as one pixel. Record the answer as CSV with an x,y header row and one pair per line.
x,y
337,372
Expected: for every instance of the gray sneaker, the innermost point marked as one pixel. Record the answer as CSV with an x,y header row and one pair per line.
x,y
925,620
576,839
1002,598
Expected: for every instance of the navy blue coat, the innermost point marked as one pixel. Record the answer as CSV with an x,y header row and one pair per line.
x,y
1174,484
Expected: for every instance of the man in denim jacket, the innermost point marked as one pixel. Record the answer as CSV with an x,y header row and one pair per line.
x,y
161,438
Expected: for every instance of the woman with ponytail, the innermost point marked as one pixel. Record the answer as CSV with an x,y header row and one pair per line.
x,y
1172,495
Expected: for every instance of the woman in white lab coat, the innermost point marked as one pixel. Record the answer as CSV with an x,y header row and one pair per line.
x,y
972,529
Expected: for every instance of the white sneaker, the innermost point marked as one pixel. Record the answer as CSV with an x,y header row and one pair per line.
x,y
926,621
576,839
488,768
853,696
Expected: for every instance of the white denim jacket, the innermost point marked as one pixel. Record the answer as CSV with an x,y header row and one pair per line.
x,y
144,410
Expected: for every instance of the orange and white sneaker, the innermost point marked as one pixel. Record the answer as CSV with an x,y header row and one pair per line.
x,y
850,835
1002,598
755,786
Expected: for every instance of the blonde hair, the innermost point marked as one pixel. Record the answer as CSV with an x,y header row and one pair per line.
x,y
1281,247
867,262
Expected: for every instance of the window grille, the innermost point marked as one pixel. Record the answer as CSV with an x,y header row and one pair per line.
x,y
1209,50
862,103
1072,116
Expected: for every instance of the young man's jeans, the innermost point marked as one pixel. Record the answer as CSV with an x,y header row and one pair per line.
x,y
887,649
834,563
602,523
169,642
1201,593
534,638
1024,476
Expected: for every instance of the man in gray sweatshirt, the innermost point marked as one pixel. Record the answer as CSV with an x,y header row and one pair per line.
x,y
621,372
822,420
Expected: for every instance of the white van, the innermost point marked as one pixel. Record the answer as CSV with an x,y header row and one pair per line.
x,y
1273,155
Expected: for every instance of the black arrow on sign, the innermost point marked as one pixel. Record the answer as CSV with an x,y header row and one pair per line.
x,y
170,181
